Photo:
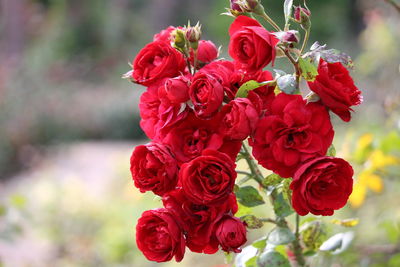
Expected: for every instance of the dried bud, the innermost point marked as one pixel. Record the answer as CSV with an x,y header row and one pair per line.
x,y
313,234
302,16
178,40
193,35
249,6
291,36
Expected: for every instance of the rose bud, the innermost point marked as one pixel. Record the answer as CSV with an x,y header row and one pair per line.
x,y
321,185
235,6
302,16
159,236
193,35
231,234
179,40
154,168
207,51
176,90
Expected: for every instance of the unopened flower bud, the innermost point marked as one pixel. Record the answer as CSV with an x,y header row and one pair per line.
x,y
193,35
302,16
235,6
178,40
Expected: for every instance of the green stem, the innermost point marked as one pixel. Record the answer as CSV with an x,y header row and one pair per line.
x,y
257,175
271,21
305,41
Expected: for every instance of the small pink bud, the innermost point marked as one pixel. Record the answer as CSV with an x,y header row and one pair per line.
x,y
176,90
193,35
207,51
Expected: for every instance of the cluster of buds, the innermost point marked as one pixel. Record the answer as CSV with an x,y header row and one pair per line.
x,y
239,7
188,37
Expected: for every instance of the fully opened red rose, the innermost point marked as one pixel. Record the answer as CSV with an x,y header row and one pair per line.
x,y
159,236
156,61
291,133
321,186
336,89
154,168
209,178
251,45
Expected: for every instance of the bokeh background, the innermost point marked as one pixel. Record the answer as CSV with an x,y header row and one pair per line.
x,y
68,124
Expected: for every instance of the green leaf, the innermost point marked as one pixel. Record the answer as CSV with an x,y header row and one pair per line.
x,y
252,221
252,262
272,259
228,257
242,211
260,243
313,234
287,83
331,151
249,196
286,191
308,69
287,8
250,85
280,236
281,206
272,180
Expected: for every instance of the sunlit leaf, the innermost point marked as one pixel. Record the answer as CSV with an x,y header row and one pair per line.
x,y
346,222
260,243
287,8
338,243
308,69
252,262
250,85
287,83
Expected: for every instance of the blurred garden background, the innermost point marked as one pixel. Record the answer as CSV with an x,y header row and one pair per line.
x,y
68,124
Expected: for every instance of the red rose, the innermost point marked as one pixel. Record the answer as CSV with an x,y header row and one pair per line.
x,y
156,61
336,89
154,168
209,178
148,106
321,186
206,94
159,236
224,72
291,133
198,220
175,90
165,35
192,135
239,119
231,234
262,96
251,44
206,53
158,116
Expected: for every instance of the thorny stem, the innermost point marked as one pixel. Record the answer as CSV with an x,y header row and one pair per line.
x,y
194,60
295,65
257,175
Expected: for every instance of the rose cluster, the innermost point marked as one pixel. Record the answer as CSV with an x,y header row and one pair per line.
x,y
197,124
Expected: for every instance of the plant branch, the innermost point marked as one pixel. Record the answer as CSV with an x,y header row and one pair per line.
x,y
394,4
305,41
280,221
